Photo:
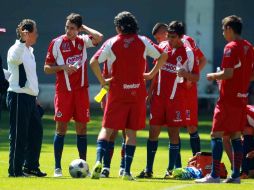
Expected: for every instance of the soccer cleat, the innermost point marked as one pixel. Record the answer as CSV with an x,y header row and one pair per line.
x,y
58,172
121,172
232,180
208,179
36,172
96,173
145,174
168,175
105,173
19,175
127,177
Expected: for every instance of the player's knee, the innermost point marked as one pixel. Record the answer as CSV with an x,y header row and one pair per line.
x,y
61,128
154,132
216,134
153,136
174,139
191,129
113,136
105,134
81,131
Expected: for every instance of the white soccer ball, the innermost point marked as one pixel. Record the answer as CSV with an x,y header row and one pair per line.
x,y
78,168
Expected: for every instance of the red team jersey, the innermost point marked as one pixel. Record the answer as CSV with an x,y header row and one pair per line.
x,y
63,51
230,111
71,98
167,104
191,92
126,63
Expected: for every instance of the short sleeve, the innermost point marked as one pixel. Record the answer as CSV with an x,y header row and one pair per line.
x,y
103,53
229,57
51,54
191,60
152,50
88,40
198,53
195,69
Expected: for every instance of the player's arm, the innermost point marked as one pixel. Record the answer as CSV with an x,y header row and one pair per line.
x,y
101,56
202,62
160,62
52,68
94,63
150,90
193,77
229,62
225,74
97,36
193,74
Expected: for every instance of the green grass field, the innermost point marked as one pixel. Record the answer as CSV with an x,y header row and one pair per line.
x,y
112,183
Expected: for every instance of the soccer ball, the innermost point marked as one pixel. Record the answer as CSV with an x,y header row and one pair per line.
x,y
78,168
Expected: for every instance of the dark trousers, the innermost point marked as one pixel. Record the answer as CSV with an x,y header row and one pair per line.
x,y
0,106
25,132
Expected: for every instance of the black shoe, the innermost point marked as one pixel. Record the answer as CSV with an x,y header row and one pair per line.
x,y
35,172
105,173
18,175
145,174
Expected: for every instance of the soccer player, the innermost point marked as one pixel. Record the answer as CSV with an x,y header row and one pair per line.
x,y
67,58
125,108
111,144
230,111
160,32
167,102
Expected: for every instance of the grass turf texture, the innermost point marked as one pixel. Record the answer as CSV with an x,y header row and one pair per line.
x,y
114,182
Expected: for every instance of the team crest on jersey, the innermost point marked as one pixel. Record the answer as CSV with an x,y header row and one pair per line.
x,y
187,114
127,42
80,47
65,46
59,114
179,59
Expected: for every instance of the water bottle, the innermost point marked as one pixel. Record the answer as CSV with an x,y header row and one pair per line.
x,y
178,67
76,64
101,94
218,81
